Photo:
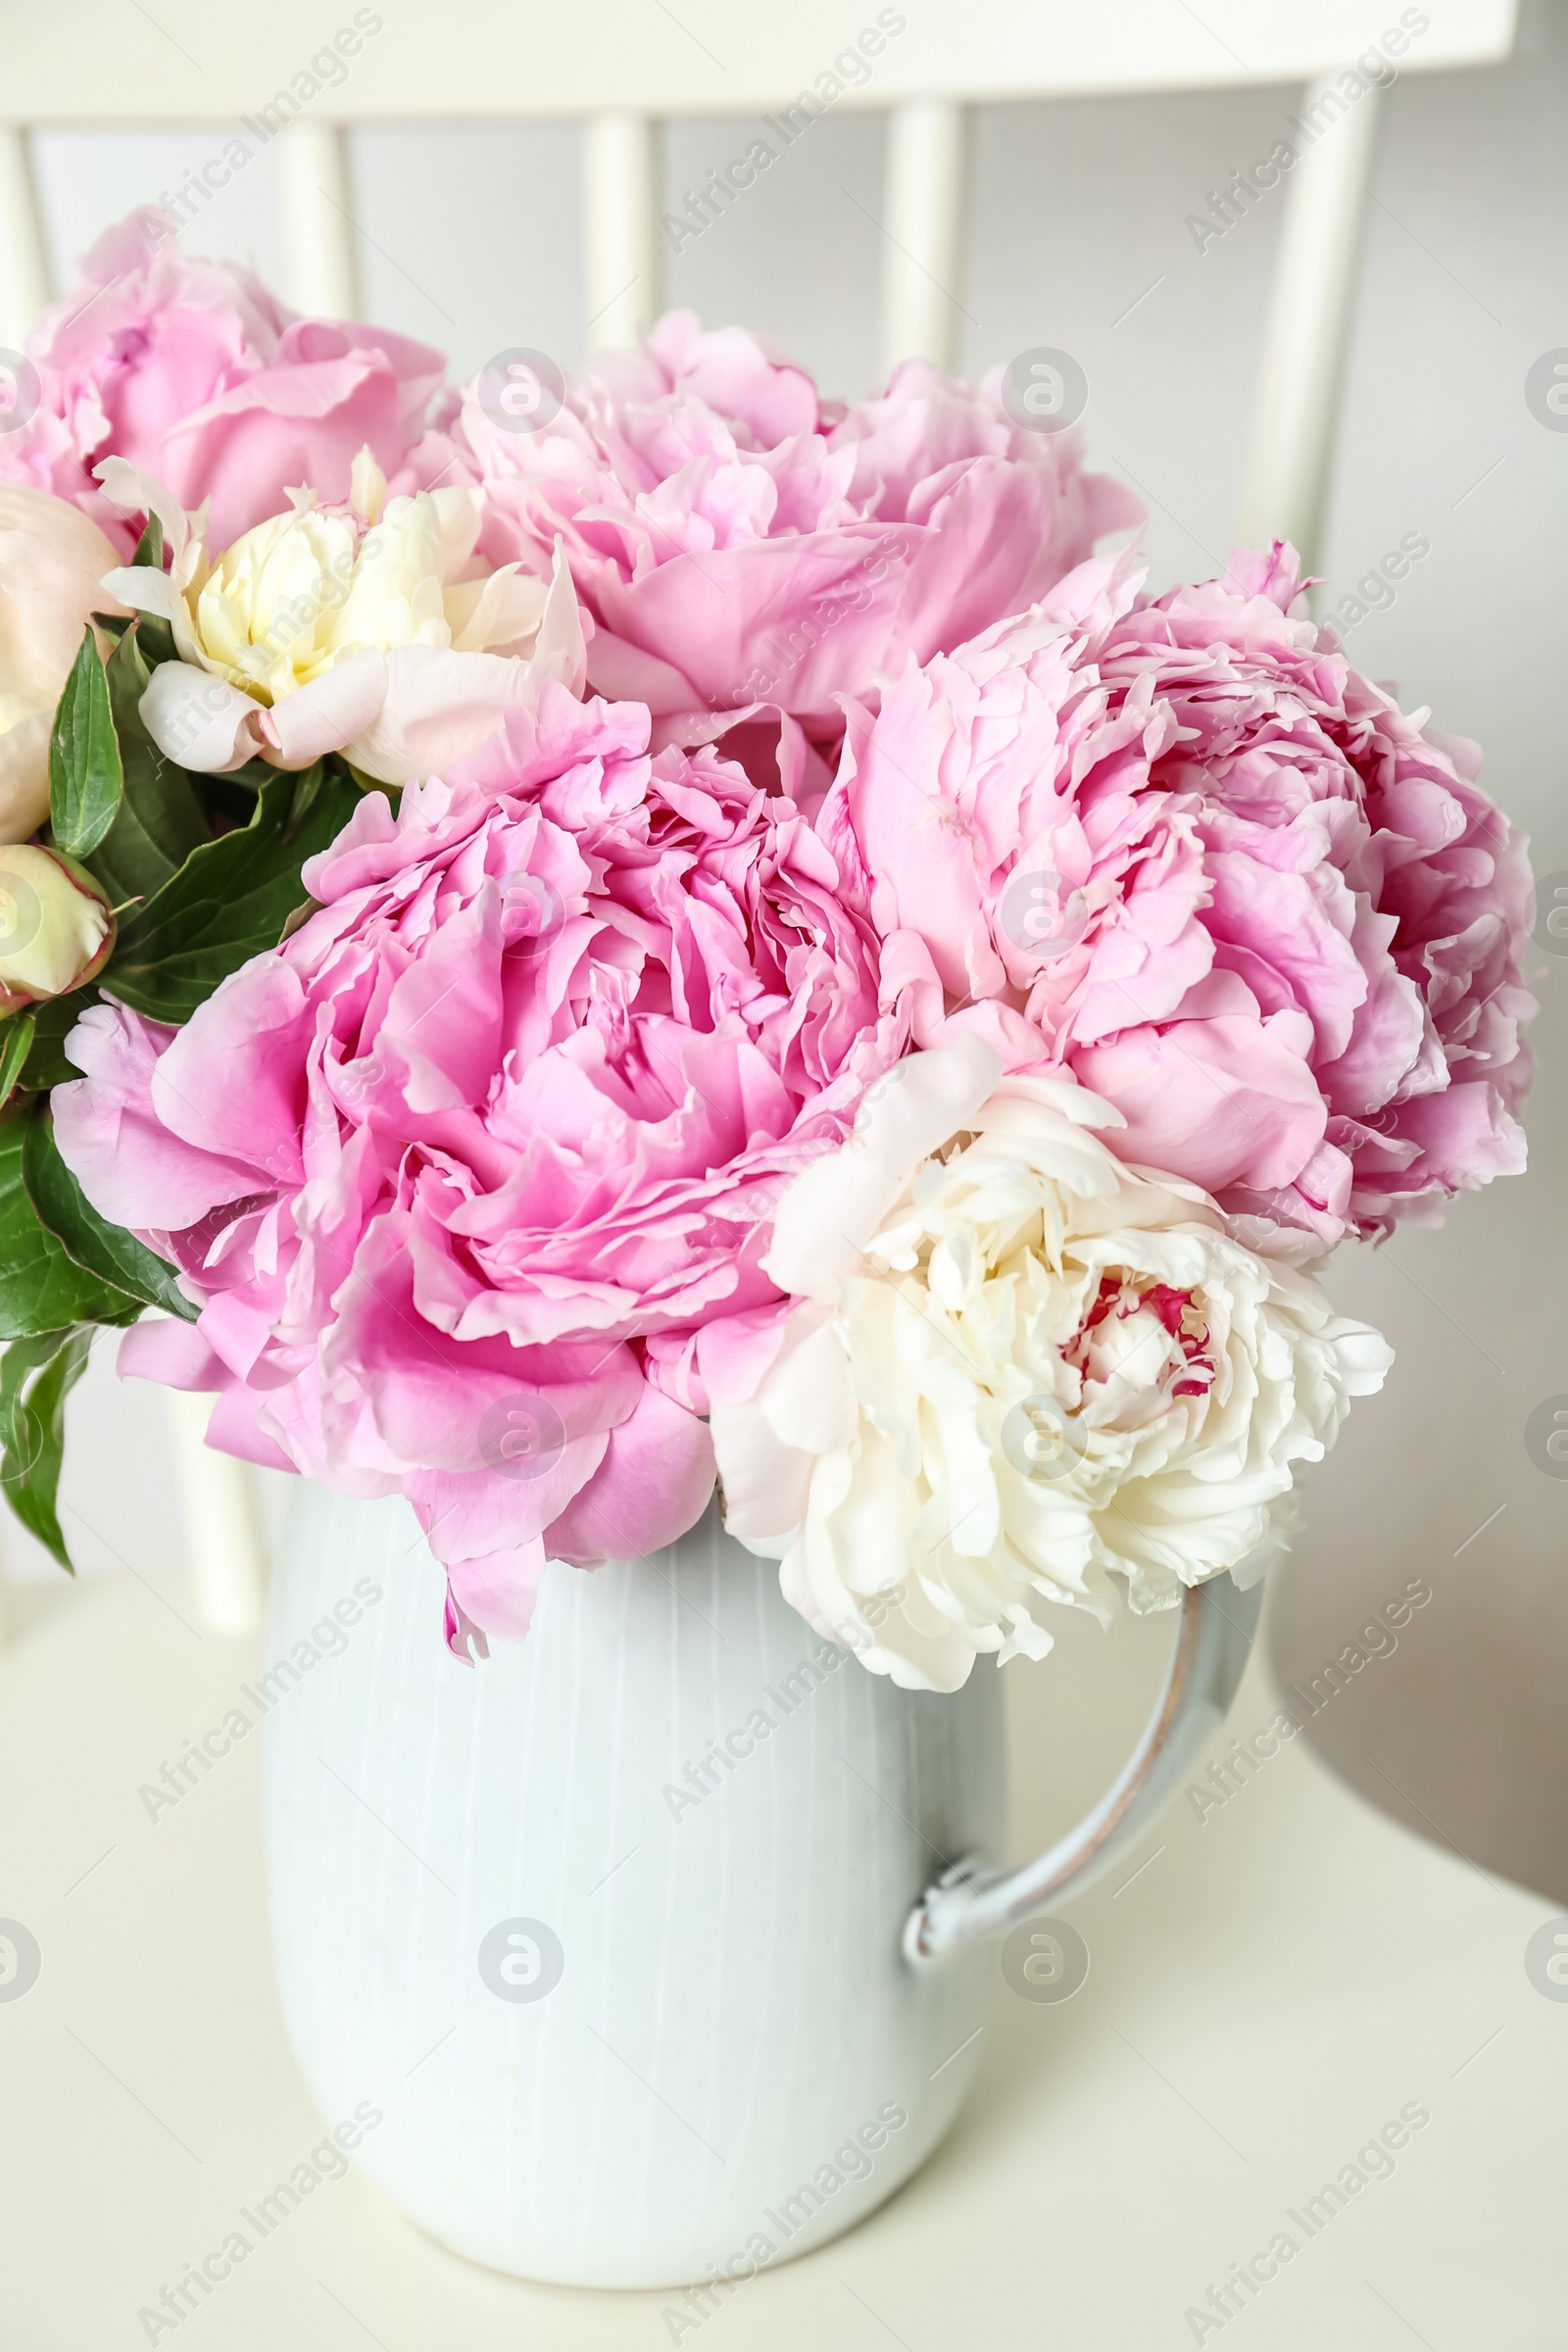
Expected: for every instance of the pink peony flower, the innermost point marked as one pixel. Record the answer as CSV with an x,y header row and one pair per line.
x,y
1183,849
192,372
741,542
468,1174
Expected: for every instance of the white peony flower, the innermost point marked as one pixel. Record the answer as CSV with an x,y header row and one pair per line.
x,y
1017,1370
371,629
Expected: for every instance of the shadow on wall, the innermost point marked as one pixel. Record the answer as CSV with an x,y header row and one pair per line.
x,y
1454,1480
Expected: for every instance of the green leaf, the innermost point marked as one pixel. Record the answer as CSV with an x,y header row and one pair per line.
x,y
17,1045
53,1021
251,776
35,1377
85,778
156,639
102,1249
160,820
41,1286
306,792
227,806
155,635
229,902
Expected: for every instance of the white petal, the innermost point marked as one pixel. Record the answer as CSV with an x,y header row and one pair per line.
x,y
439,703
144,590
329,712
136,493
200,722
766,1487
559,650
501,613
831,1211
808,1397
366,485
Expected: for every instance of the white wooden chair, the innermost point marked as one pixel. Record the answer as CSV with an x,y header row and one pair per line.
x,y
627,66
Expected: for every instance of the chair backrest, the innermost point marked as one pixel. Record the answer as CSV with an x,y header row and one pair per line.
x,y
281,73
627,65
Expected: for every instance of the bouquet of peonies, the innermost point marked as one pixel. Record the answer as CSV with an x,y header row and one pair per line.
x,y
697,932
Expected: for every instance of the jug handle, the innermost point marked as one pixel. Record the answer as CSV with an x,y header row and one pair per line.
x,y
971,1903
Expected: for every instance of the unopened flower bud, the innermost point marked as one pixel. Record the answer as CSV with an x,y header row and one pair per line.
x,y
52,560
56,927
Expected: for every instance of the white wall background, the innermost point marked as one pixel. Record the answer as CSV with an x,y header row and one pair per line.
x,y
1076,238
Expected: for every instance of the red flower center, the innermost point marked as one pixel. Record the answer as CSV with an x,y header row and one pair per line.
x,y
1122,1295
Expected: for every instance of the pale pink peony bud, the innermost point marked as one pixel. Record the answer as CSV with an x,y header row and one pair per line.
x,y
52,562
56,927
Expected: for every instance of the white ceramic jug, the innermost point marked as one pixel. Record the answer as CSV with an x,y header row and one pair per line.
x,y
625,1931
